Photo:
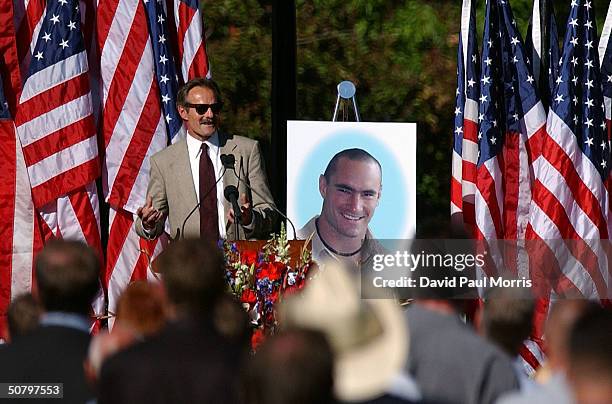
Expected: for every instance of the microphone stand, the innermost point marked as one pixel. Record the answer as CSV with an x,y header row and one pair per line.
x,y
274,208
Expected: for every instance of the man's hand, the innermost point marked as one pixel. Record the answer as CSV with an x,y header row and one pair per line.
x,y
149,215
245,211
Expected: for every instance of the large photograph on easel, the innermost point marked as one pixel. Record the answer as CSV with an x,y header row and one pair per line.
x,y
311,146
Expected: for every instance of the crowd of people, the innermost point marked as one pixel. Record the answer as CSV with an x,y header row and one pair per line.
x,y
185,339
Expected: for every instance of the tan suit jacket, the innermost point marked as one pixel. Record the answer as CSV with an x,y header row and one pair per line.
x,y
173,192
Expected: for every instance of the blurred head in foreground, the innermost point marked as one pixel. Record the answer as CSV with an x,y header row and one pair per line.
x,y
23,316
507,318
590,357
67,276
561,319
295,366
141,309
193,276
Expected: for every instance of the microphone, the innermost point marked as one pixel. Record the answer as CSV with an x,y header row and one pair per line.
x,y
181,232
231,194
228,161
233,168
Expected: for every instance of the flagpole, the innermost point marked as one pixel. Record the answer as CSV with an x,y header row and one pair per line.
x,y
284,93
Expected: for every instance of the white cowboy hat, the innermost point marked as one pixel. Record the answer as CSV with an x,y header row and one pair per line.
x,y
369,337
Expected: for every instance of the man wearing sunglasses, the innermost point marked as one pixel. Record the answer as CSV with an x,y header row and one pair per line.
x,y
188,179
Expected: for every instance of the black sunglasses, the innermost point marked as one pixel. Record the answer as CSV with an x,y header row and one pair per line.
x,y
202,108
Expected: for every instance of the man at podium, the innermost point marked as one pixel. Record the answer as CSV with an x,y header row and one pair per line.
x,y
192,181
351,187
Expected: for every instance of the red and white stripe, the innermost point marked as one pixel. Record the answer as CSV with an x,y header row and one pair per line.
x,y
570,202
76,216
503,195
463,181
19,238
463,174
132,124
133,129
55,104
56,128
128,257
190,41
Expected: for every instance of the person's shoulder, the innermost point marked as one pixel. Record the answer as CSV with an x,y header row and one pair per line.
x,y
308,229
169,153
122,361
373,246
241,141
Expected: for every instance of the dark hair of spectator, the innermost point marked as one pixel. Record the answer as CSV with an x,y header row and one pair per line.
x,y
294,366
508,318
351,154
181,95
193,273
23,316
67,276
590,343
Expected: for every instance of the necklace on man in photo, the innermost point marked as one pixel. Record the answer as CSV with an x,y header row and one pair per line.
x,y
333,250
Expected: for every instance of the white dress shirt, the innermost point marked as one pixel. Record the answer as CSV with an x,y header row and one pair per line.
x,y
194,148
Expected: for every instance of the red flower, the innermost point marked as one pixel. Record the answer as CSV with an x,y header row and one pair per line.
x,y
257,338
248,257
272,270
248,296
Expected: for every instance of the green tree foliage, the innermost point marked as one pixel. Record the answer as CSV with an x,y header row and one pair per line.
x,y
239,45
400,54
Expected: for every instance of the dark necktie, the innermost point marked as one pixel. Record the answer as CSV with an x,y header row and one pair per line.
x,y
209,217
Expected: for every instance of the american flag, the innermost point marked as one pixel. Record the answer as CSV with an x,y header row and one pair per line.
x,y
605,58
465,147
542,46
55,117
511,121
511,125
137,41
570,201
17,227
60,47
190,39
53,160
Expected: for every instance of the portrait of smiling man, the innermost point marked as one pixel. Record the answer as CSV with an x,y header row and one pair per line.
x,y
188,181
351,188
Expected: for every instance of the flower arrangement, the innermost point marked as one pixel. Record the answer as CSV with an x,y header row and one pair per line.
x,y
260,277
